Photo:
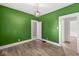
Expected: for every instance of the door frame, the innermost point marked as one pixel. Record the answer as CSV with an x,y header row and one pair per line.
x,y
61,25
39,29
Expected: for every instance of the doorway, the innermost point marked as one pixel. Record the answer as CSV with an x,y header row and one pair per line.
x,y
68,31
36,29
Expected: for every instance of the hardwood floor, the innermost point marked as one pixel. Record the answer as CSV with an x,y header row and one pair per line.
x,y
33,48
69,51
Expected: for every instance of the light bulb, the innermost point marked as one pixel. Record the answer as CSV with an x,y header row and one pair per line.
x,y
37,13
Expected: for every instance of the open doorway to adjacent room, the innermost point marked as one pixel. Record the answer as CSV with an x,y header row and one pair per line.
x,y
68,32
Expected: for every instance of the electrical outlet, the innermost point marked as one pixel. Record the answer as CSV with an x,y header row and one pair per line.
x,y
47,38
18,40
57,28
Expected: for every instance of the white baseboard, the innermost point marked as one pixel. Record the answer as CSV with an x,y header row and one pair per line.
x,y
57,44
17,43
14,44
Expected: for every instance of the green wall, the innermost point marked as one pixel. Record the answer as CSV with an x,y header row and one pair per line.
x,y
50,21
14,25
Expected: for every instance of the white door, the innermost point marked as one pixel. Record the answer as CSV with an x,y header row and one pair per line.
x,y
36,29
39,30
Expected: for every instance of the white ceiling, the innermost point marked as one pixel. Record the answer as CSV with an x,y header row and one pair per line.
x,y
31,8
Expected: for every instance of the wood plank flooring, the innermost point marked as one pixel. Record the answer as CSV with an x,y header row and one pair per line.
x,y
69,51
33,48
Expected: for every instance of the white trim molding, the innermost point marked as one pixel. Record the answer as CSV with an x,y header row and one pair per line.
x,y
17,43
54,43
14,44
38,28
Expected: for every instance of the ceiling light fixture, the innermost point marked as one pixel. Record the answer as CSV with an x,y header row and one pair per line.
x,y
37,13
